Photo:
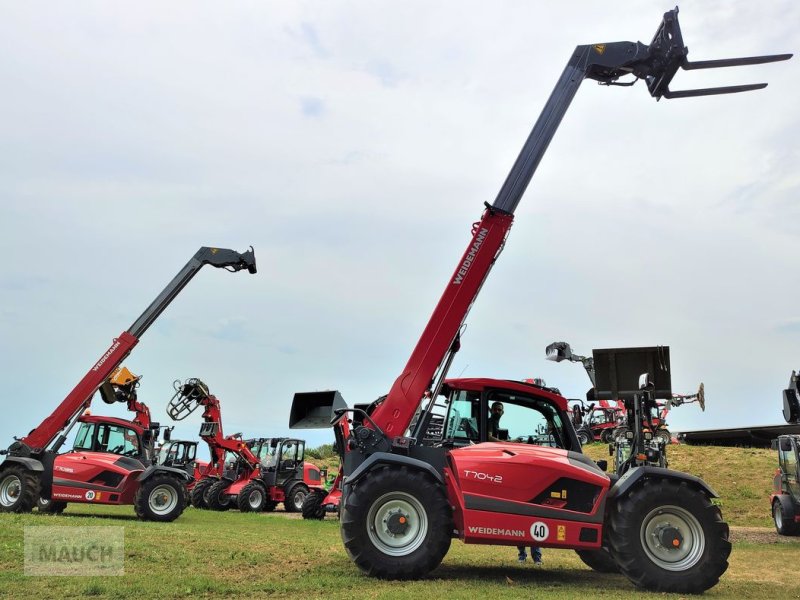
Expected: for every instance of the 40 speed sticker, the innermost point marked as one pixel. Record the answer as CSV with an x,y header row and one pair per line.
x,y
540,531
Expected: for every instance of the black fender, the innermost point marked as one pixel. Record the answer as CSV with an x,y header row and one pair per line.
x,y
29,463
638,475
158,469
386,458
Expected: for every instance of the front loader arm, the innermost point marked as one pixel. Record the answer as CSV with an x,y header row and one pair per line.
x,y
78,400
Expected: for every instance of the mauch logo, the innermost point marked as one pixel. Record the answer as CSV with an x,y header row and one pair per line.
x,y
473,252
72,551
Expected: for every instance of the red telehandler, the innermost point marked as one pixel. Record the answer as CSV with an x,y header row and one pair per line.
x,y
266,471
403,499
28,471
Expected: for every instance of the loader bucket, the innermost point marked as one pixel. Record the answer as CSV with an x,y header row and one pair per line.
x,y
315,410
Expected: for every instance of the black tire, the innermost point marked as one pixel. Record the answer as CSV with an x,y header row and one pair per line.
x,y
312,505
607,435
19,489
51,507
664,435
599,560
584,437
658,514
214,497
161,497
295,497
199,490
784,519
252,497
418,502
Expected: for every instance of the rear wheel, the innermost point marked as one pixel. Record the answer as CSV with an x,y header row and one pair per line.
x,y
160,498
784,519
584,437
252,498
396,523
599,560
215,496
607,435
312,505
664,435
199,490
295,498
19,489
50,506
668,537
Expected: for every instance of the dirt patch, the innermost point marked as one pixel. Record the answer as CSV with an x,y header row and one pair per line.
x,y
760,535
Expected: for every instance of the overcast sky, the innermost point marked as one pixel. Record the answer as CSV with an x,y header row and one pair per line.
x,y
353,145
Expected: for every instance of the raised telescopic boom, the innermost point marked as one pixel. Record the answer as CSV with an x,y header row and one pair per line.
x,y
607,63
65,415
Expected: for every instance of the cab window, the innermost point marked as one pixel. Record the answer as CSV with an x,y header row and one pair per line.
x,y
525,419
463,418
117,440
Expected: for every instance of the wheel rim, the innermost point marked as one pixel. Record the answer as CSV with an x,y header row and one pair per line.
x,y
390,510
255,499
777,513
10,490
299,498
658,524
163,499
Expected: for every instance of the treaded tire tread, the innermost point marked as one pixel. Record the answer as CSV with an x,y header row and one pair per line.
x,y
790,527
312,505
353,523
288,504
598,560
199,490
626,547
242,500
213,493
142,506
29,495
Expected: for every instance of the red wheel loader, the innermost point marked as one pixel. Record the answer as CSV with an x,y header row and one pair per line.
x,y
267,471
785,497
109,463
403,500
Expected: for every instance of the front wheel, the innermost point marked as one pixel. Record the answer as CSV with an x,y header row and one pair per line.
x,y
664,436
312,505
295,498
584,437
19,489
396,523
160,498
668,537
198,492
607,435
252,498
784,520
215,496
53,507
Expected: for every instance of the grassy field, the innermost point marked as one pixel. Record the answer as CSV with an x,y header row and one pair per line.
x,y
207,555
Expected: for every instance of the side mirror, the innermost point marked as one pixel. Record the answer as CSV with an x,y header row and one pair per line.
x,y
167,433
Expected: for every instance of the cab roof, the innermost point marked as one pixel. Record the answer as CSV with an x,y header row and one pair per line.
x,y
480,384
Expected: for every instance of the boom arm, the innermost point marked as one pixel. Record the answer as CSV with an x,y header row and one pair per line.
x,y
605,63
78,400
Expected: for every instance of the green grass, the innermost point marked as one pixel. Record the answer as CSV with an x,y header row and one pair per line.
x,y
209,555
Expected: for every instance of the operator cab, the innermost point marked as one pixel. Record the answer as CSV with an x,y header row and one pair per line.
x,y
113,436
463,415
179,454
281,455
